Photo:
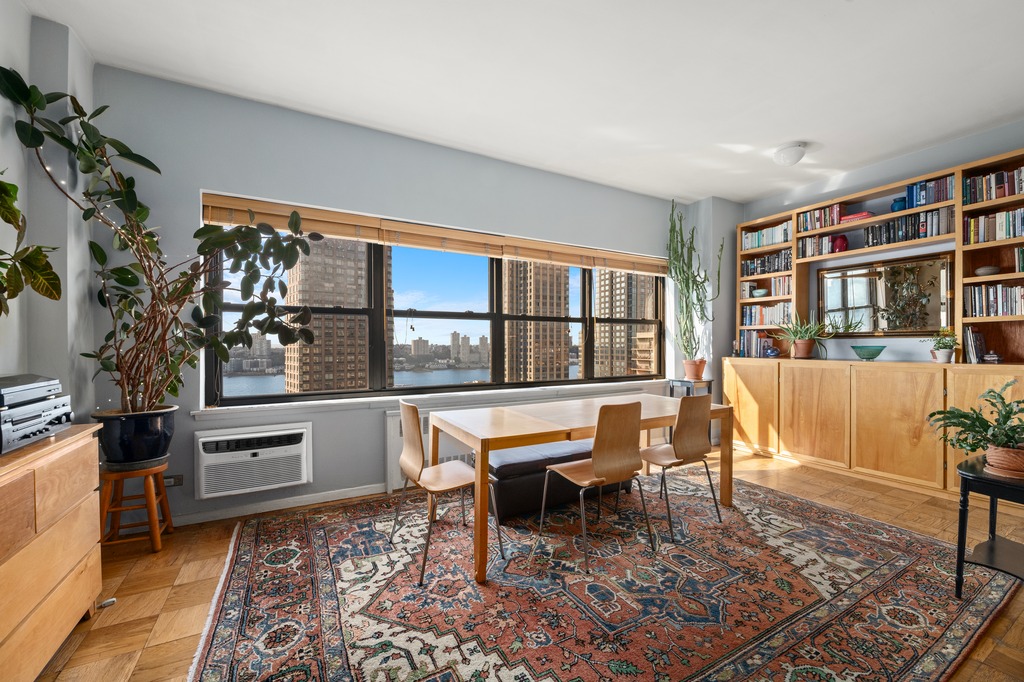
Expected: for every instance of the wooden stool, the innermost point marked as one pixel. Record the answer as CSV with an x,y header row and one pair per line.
x,y
113,499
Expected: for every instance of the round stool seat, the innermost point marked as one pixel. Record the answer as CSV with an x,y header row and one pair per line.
x,y
113,501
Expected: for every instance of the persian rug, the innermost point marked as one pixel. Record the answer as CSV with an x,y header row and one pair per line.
x,y
782,589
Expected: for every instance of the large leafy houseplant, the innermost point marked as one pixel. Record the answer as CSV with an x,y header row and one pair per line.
x,y
163,313
1000,425
27,265
693,285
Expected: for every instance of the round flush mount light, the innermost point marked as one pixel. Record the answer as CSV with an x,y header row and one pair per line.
x,y
789,154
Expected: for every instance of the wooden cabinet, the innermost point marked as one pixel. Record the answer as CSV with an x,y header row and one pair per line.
x,y
814,410
964,384
752,388
49,547
889,427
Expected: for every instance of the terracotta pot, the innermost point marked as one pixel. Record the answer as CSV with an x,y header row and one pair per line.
x,y
694,369
803,348
942,355
1007,461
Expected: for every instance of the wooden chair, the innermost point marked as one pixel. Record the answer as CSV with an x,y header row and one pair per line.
x,y
441,478
616,458
690,444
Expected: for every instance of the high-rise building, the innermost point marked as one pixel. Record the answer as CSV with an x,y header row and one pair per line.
x,y
536,351
456,346
334,274
621,349
260,346
465,349
485,350
420,346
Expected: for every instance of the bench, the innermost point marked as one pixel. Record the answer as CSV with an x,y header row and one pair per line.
x,y
519,474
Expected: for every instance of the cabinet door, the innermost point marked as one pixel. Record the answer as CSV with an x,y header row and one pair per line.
x,y
814,411
751,387
966,383
891,434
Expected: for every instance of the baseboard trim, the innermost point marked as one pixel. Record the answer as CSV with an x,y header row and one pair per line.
x,y
278,505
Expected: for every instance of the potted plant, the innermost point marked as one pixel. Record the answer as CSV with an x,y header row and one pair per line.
x,y
693,292
26,266
803,336
999,431
162,313
944,344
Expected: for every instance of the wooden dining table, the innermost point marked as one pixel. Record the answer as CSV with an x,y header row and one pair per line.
x,y
495,428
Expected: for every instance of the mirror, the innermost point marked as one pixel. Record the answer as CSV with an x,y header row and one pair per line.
x,y
897,297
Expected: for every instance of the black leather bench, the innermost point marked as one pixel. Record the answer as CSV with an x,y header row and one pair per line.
x,y
519,474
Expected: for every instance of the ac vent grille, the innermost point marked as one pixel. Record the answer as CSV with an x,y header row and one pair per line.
x,y
252,443
245,460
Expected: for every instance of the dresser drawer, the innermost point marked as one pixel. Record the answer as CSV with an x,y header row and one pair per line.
x,y
17,513
63,479
33,572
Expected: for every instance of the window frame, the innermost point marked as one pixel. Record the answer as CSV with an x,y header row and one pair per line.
x,y
378,314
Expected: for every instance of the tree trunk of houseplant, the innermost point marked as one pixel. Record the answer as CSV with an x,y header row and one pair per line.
x,y
135,440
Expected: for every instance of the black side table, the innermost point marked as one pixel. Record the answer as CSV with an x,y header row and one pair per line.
x,y
689,386
996,552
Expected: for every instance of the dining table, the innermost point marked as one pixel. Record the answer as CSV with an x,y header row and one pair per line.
x,y
495,428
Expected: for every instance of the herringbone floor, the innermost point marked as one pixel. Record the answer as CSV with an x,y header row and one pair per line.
x,y
163,599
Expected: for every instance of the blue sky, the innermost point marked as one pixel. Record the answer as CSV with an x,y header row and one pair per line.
x,y
463,286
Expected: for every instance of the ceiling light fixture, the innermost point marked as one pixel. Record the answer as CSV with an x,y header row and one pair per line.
x,y
789,154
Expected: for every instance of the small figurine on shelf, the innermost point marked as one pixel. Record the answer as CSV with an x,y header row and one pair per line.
x,y
735,349
992,358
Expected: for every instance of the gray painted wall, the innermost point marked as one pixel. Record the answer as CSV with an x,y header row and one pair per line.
x,y
207,141
14,53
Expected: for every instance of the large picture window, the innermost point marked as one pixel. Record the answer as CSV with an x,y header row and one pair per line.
x,y
395,314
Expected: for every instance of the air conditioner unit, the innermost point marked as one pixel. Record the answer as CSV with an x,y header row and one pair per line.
x,y
244,460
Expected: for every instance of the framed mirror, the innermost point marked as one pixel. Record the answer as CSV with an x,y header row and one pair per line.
x,y
909,297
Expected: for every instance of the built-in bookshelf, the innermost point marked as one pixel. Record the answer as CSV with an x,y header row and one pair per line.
x,y
976,210
765,291
992,236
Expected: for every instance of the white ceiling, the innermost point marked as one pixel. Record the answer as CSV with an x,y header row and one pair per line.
x,y
672,98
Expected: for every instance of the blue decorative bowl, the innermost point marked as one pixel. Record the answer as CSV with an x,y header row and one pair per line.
x,y
868,353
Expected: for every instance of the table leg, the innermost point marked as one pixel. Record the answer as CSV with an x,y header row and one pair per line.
x,y
993,506
480,508
435,441
961,536
725,470
645,442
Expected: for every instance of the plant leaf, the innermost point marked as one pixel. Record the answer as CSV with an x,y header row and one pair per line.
x,y
98,254
140,160
13,86
29,136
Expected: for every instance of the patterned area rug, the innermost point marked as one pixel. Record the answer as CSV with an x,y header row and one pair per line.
x,y
783,589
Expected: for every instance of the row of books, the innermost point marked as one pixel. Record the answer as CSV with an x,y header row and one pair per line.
x,y
930,192
973,345
994,226
819,217
761,315
991,300
777,286
851,217
993,186
769,236
817,246
767,264
754,343
909,227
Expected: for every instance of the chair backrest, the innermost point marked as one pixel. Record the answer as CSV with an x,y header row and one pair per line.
x,y
617,442
690,436
411,460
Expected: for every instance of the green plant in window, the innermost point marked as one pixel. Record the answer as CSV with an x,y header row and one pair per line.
x,y
162,314
907,297
693,285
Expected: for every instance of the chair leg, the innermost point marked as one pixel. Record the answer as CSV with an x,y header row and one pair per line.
x,y
600,497
662,487
543,504
394,524
712,486
583,525
668,506
430,527
497,526
462,500
643,503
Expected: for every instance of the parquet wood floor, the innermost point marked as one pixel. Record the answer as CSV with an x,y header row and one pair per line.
x,y
151,633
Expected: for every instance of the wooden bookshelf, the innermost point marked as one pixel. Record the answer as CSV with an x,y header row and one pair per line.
x,y
767,241
975,210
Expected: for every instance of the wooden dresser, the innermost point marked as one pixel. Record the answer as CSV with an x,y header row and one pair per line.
x,y
50,569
